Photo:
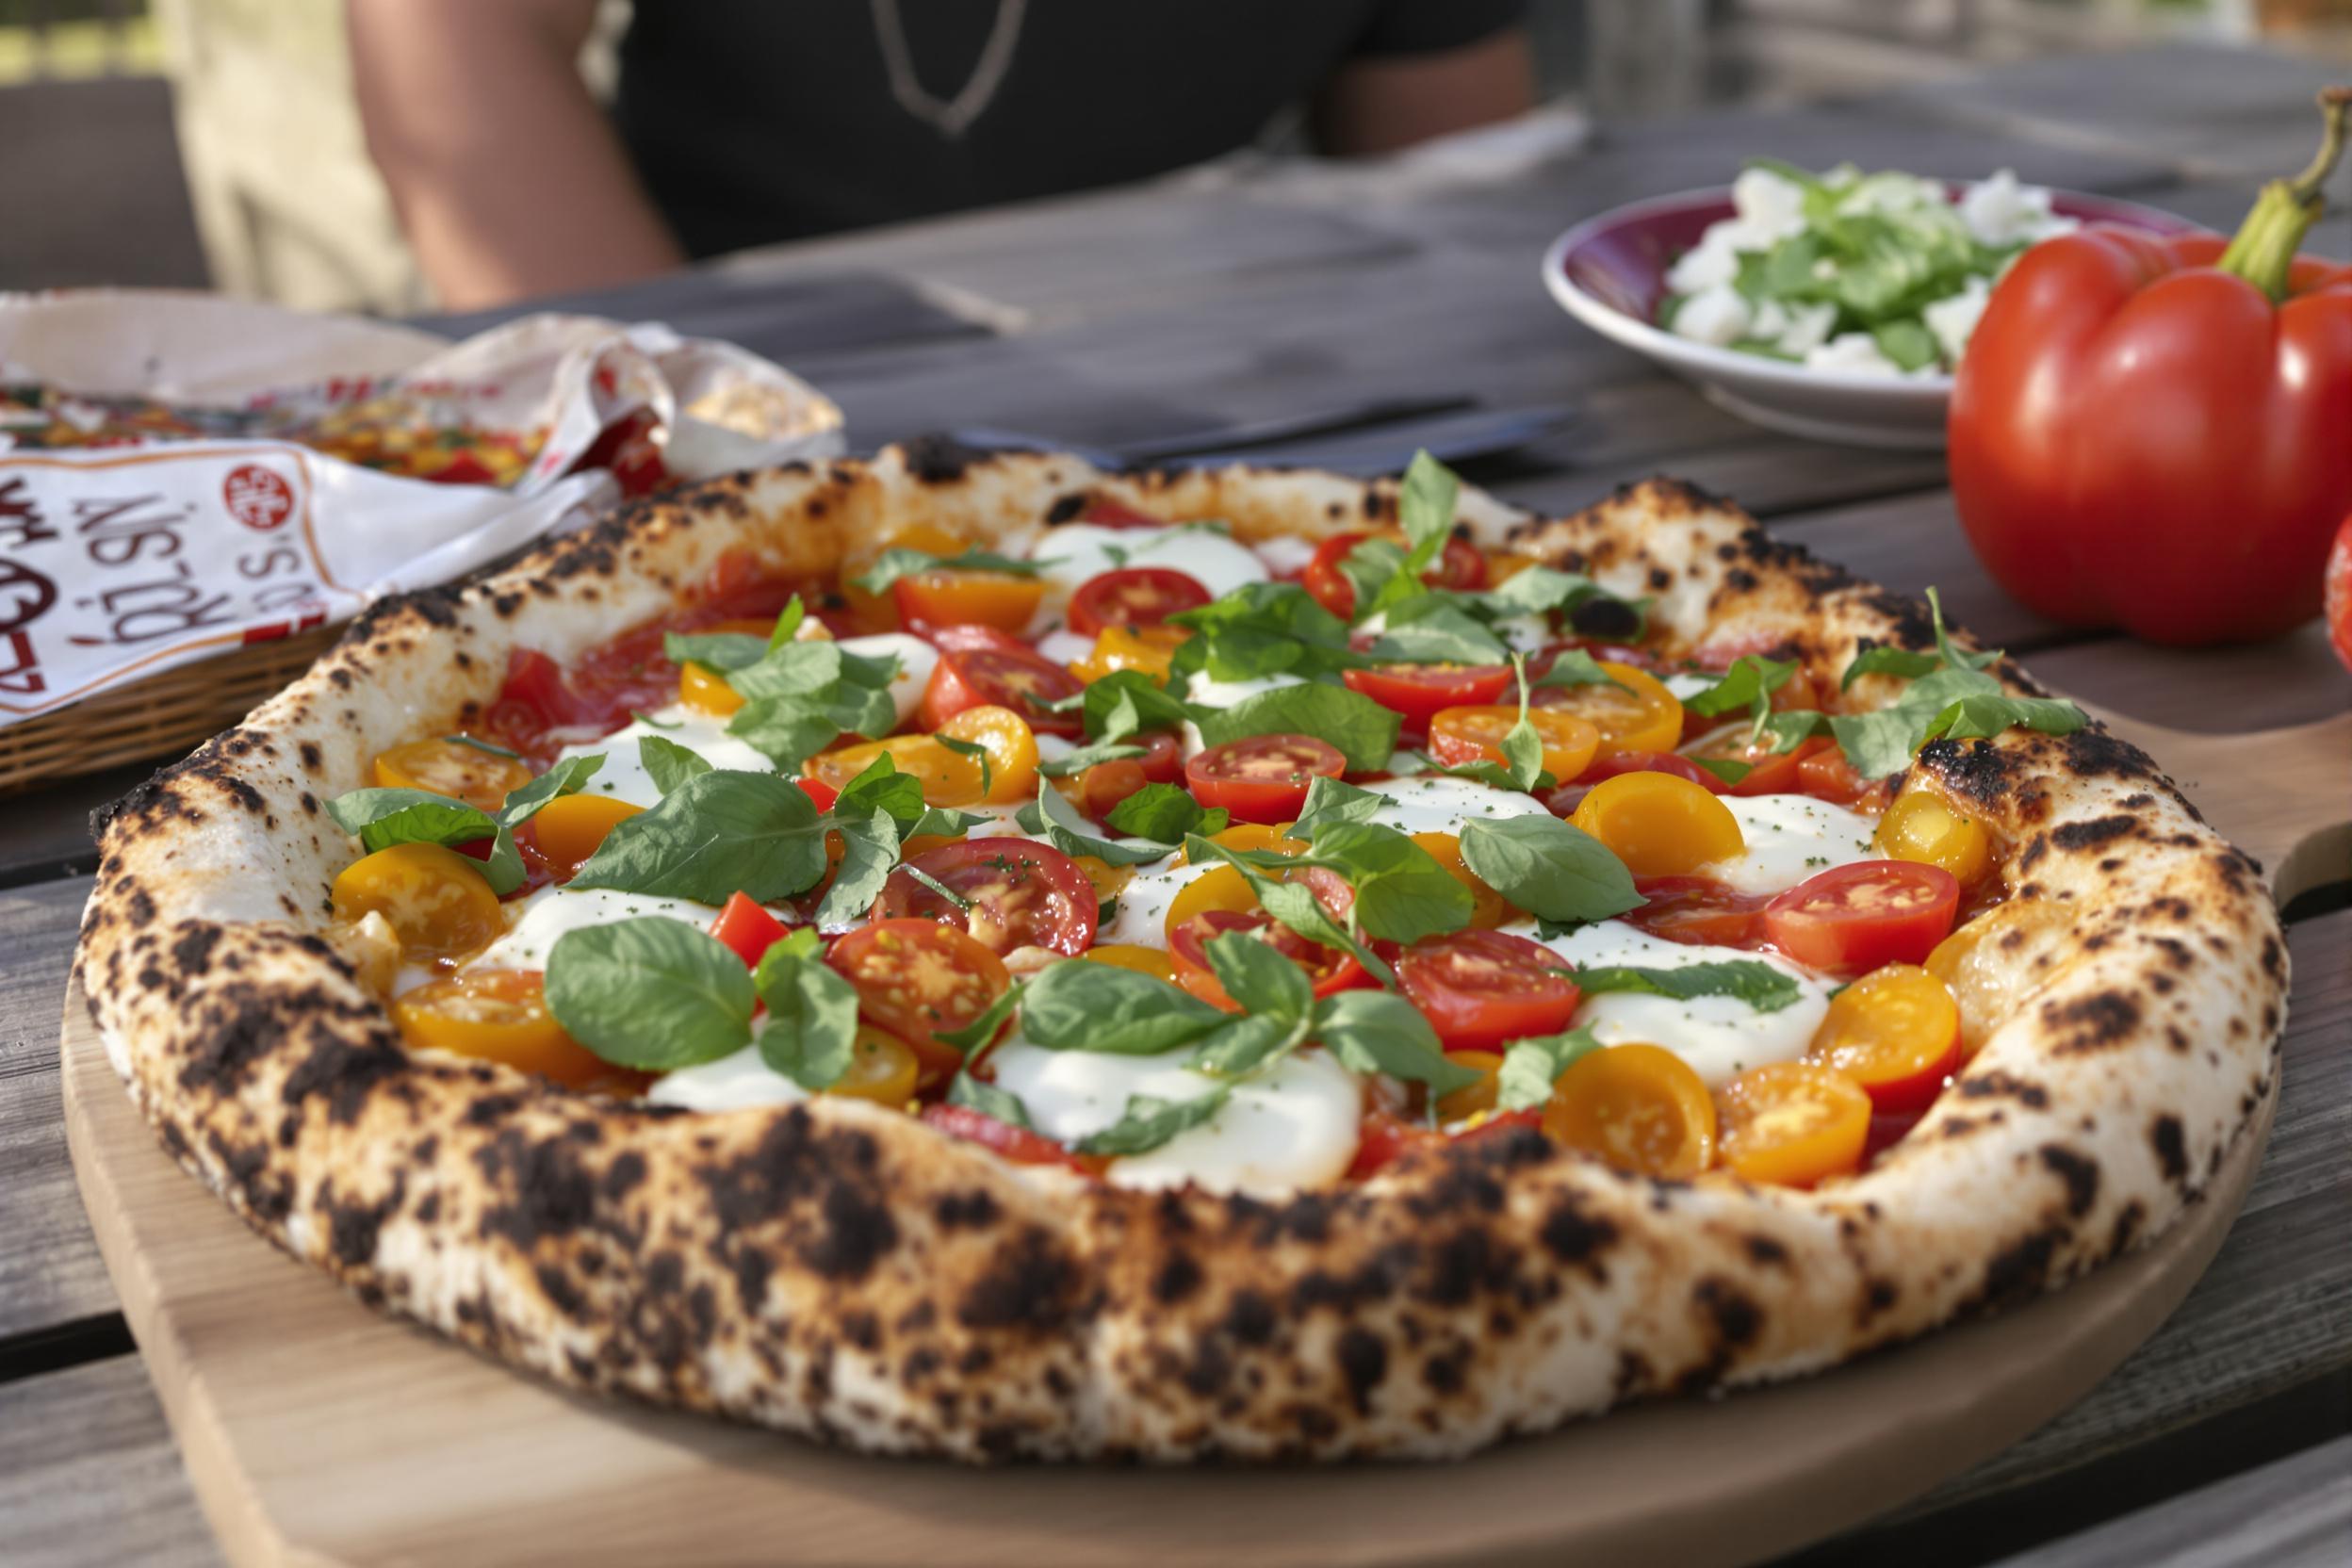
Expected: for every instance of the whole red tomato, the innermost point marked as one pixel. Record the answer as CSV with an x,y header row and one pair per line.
x,y
2156,432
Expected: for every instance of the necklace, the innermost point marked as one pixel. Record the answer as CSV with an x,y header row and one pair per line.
x,y
950,117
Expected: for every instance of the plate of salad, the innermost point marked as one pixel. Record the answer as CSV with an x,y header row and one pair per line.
x,y
1833,304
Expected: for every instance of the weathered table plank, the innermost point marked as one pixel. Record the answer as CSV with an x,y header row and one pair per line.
x,y
2296,1512
88,1474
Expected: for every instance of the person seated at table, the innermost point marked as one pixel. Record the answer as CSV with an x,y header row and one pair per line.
x,y
740,122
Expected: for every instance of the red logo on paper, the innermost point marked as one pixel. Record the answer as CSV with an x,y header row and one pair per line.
x,y
256,497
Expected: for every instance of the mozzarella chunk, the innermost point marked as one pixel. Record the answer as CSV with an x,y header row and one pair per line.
x,y
735,1082
916,661
624,776
1142,917
1687,684
546,914
1064,648
1438,802
1293,1126
1285,553
1211,692
1791,838
1719,1036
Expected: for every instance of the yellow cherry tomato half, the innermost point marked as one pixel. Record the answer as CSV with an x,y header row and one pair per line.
x,y
1143,960
1640,1108
1920,826
1459,735
570,829
1218,888
435,899
1896,1032
1488,909
707,691
882,1068
1130,647
1794,1124
1011,747
453,768
998,600
1252,834
948,777
1659,824
1471,1099
496,1015
1109,880
1638,714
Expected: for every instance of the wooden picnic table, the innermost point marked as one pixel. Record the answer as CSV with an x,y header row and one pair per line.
x,y
1247,292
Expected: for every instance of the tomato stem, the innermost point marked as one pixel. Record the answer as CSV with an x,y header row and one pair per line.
x,y
2263,251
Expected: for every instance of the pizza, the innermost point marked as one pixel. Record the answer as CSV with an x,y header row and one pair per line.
x,y
982,956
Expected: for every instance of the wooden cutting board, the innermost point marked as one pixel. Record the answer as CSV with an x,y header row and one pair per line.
x,y
317,1432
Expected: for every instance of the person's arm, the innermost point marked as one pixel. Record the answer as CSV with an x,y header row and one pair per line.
x,y
1379,102
508,178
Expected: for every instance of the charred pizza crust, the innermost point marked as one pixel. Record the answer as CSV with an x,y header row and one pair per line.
x,y
839,1270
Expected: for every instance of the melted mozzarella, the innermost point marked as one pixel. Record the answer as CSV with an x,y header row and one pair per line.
x,y
1065,647
733,1083
624,776
1211,692
546,914
1079,551
1791,838
1719,1036
1142,917
1686,684
916,661
1286,553
1437,803
1293,1126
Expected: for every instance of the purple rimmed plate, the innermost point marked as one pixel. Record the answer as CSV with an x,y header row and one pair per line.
x,y
1609,273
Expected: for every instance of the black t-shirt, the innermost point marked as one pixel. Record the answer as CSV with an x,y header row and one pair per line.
x,y
754,121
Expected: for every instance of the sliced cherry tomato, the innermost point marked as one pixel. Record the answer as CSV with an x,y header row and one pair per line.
x,y
1769,772
1007,743
1143,960
571,828
1132,597
1263,778
918,979
1659,824
1005,1141
706,690
1149,648
1163,759
1017,894
1637,713
1015,677
1458,566
1827,775
1383,1139
1564,801
882,1068
435,899
748,928
1698,909
453,768
961,639
880,612
1920,826
956,597
1896,1032
1101,787
1421,692
948,777
1328,969
820,794
1640,1108
1460,735
1853,919
1478,989
499,1015
1792,1124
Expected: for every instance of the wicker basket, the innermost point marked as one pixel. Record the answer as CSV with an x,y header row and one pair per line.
x,y
160,717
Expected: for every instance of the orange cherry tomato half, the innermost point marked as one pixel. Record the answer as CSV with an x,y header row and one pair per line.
x,y
1792,1124
999,600
497,1015
1459,735
1133,595
1101,787
1330,970
1896,1032
1017,894
1263,778
1920,826
1468,1101
1479,989
1638,714
747,929
1488,909
1458,566
453,768
1000,676
1421,692
1149,648
1826,775
918,978
572,827
1853,919
1769,772
882,1068
1659,824
707,691
1640,1108
435,899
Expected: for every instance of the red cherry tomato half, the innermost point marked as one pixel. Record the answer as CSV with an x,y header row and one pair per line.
x,y
1478,989
1163,759
1001,1138
1421,692
1770,772
1458,566
1133,595
1021,895
1015,677
1263,778
918,979
1853,919
1328,969
966,634
1385,1139
820,794
1825,775
1101,787
1698,909
747,929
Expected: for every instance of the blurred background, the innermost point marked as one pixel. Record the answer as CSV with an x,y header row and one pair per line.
x,y
216,142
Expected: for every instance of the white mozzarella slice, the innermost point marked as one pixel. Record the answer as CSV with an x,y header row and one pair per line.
x,y
1293,1126
1142,916
1525,634
1053,748
1285,553
1686,684
1789,839
1065,647
624,776
546,914
1719,1036
1211,692
735,1082
1438,802
917,658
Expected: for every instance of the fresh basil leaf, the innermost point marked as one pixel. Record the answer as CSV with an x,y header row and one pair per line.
x,y
1264,629
1886,659
1294,904
566,778
869,855
1127,702
1150,1121
942,822
1788,729
716,834
650,992
1489,773
1363,730
667,763
972,749
1005,1105
786,730
1259,978
795,670
1552,870
1531,1065
1061,826
1725,768
811,1033
892,565
1248,1043
1575,667
1370,568
1082,1005
981,1031
384,817
1753,981
639,716
721,652
1425,500
1332,800
480,745
1163,812
1445,634
1381,1032
1960,703
926,879
1402,892
880,786
1538,591
788,622
1087,756
1749,683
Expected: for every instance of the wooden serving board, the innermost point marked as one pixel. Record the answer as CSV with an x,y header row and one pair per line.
x,y
319,1431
